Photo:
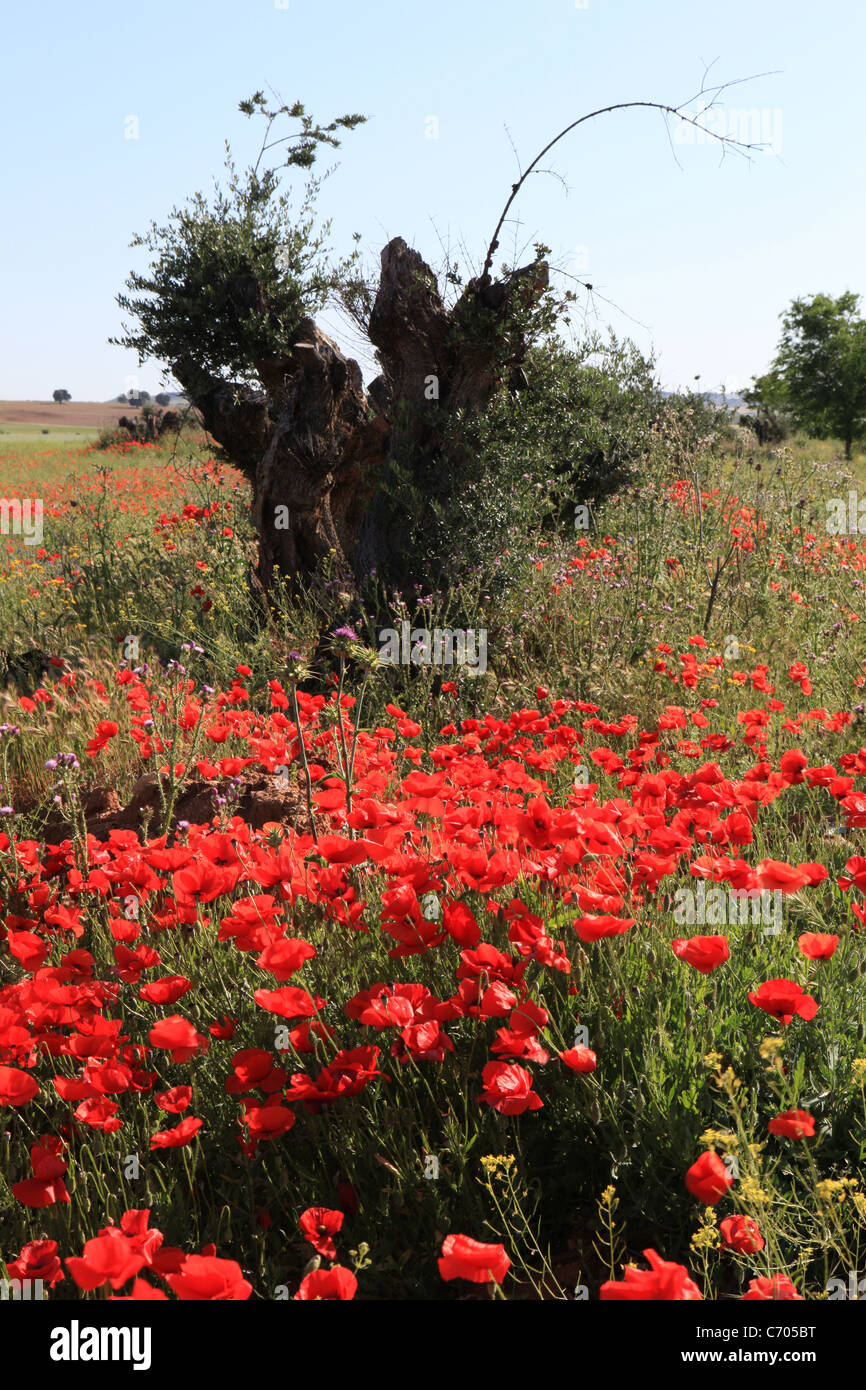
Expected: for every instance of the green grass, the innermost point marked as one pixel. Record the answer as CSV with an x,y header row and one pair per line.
x,y
35,435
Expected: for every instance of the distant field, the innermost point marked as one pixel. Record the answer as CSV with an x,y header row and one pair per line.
x,y
72,416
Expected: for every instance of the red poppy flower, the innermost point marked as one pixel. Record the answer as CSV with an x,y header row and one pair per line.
x,y
99,1113
793,1124
165,991
508,1089
426,1042
339,850
254,1067
178,1036
708,1179
108,1257
777,1288
16,1087
204,881
319,1225
497,1001
288,1002
141,1291
46,1186
460,924
741,1233
178,1137
147,1240
28,948
208,1278
818,945
665,1281
705,953
282,958
269,1121
38,1192
465,1258
38,1260
223,1030
594,928
334,1285
579,1059
773,874
174,1101
783,999
106,729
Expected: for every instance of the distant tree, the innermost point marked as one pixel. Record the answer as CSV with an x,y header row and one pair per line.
x,y
820,367
61,396
163,398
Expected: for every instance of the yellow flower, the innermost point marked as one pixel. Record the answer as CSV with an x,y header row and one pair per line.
x,y
721,1138
753,1194
830,1188
498,1165
706,1236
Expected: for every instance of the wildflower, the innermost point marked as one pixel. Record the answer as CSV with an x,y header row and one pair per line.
x,y
741,1233
776,1288
793,1124
705,953
664,1281
334,1285
465,1258
16,1087
579,1059
319,1225
783,999
818,945
708,1179
508,1089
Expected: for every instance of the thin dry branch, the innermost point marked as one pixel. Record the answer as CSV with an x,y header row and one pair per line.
x,y
679,112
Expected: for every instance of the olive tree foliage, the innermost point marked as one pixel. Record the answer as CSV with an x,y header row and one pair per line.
x,y
232,274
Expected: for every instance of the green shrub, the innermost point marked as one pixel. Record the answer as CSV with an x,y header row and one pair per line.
x,y
588,423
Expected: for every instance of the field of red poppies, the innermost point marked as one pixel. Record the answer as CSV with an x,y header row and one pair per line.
x,y
329,981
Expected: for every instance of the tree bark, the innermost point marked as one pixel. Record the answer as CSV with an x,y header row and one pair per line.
x,y
314,443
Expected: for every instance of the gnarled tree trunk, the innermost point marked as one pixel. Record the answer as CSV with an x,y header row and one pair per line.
x,y
314,443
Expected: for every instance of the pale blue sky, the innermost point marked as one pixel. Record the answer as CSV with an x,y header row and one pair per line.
x,y
703,254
